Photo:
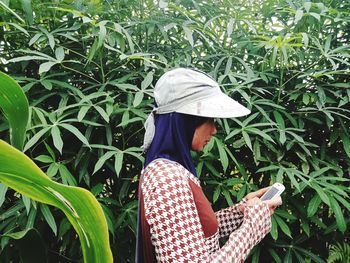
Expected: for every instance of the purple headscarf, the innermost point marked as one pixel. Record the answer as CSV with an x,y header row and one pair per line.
x,y
172,140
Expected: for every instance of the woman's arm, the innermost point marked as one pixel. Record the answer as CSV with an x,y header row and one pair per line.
x,y
229,219
176,231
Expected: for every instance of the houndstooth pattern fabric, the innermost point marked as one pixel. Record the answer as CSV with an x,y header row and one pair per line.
x,y
229,219
176,231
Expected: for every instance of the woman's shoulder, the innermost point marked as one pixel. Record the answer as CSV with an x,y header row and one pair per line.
x,y
162,165
166,168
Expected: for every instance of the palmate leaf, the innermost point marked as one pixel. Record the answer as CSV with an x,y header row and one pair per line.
x,y
83,211
14,104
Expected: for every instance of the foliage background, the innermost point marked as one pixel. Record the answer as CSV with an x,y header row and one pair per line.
x,y
88,70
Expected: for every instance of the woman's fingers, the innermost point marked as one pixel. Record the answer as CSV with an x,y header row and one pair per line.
x,y
253,201
258,193
276,201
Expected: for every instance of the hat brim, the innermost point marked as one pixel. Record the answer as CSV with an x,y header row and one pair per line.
x,y
218,106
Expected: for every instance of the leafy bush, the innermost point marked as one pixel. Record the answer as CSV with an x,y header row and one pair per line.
x,y
88,69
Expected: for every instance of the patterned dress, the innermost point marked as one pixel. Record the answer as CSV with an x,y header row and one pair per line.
x,y
182,225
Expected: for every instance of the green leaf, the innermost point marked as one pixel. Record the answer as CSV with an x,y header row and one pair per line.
x,y
15,107
274,231
102,112
76,132
44,159
49,218
102,160
67,177
283,226
83,211
118,162
82,112
346,143
57,140
247,140
298,15
307,6
222,154
216,194
46,66
339,217
321,193
315,15
313,205
147,81
47,84
59,53
138,98
309,254
27,7
3,190
35,138
188,35
26,202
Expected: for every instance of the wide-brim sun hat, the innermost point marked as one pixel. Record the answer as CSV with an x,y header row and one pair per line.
x,y
192,92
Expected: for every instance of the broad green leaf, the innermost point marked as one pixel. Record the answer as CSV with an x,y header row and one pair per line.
x,y
17,171
14,105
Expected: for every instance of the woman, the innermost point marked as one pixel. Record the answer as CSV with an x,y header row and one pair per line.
x,y
176,221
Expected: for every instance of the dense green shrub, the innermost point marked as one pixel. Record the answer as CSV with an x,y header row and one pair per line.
x,y
88,69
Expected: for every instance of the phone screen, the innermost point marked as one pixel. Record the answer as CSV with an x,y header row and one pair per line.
x,y
270,193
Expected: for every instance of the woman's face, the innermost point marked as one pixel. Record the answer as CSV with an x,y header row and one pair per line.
x,y
203,134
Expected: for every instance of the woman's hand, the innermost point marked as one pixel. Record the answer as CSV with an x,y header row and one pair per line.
x,y
254,198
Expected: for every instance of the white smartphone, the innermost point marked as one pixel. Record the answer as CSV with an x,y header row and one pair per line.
x,y
275,190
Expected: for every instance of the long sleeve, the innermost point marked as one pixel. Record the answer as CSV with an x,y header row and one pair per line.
x,y
229,219
175,227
